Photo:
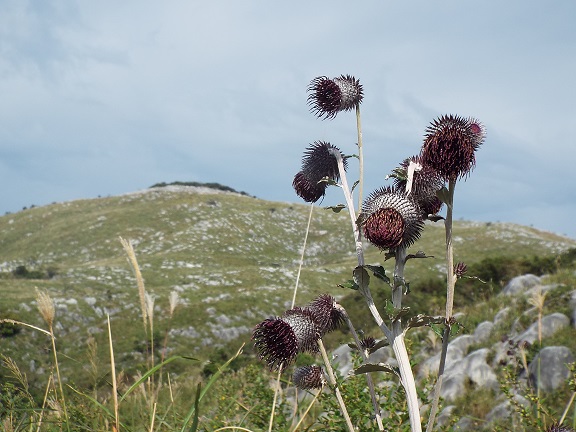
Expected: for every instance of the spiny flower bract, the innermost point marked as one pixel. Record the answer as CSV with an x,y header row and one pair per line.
x,y
319,162
425,183
330,96
391,219
450,145
559,428
309,377
326,313
278,340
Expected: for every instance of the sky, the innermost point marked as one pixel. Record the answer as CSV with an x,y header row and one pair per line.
x,y
104,98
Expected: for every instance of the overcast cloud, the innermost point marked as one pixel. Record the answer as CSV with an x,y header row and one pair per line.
x,y
103,98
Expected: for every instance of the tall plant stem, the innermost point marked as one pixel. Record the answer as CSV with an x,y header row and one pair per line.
x,y
300,265
360,158
114,384
53,339
395,339
368,376
450,284
334,383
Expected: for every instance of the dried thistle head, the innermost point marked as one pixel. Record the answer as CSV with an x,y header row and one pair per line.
x,y
450,145
421,181
309,377
330,96
327,313
278,340
391,219
367,343
556,427
460,269
45,307
319,163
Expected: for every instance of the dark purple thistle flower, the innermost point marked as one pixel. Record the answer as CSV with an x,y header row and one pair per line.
x,y
391,219
319,162
425,183
279,340
450,145
330,96
367,342
326,312
559,428
460,269
309,377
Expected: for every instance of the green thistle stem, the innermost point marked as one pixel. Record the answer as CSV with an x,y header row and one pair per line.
x,y
450,284
396,340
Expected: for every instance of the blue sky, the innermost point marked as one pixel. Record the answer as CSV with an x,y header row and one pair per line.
x,y
103,98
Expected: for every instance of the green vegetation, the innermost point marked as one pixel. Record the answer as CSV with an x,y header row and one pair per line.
x,y
232,260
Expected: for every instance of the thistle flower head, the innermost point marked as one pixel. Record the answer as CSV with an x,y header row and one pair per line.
x,y
367,342
421,181
391,219
309,377
319,162
460,269
450,145
327,313
559,428
330,96
279,339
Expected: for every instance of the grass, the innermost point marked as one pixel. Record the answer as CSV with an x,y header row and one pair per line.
x,y
232,259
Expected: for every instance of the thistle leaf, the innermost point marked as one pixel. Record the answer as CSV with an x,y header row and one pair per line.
x,y
349,284
337,208
379,272
422,320
361,277
377,367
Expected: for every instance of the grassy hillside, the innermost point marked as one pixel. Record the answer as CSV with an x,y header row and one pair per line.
x,y
233,260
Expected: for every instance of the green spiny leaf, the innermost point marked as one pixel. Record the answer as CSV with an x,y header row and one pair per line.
x,y
379,272
361,277
337,208
377,367
421,320
349,284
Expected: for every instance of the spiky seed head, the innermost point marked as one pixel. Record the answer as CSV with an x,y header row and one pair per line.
x,y
391,219
319,162
460,269
278,340
425,183
309,377
327,313
450,145
305,327
559,428
330,96
276,343
367,342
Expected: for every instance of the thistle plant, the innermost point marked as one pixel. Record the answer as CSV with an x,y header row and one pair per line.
x,y
391,218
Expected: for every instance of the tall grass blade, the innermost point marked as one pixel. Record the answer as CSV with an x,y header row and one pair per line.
x,y
211,381
151,372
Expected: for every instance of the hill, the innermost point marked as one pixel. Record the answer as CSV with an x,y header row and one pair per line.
x,y
232,259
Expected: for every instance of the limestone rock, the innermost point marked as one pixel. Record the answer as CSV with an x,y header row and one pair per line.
x,y
548,370
520,284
